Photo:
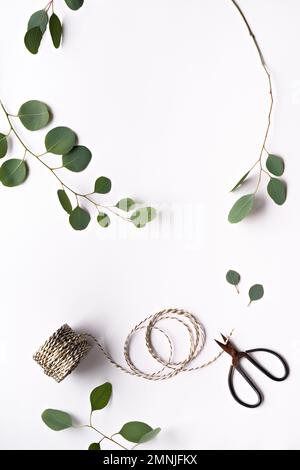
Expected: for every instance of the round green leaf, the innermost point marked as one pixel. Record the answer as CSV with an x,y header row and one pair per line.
x,y
77,159
233,277
34,115
74,4
149,435
56,419
94,446
64,200
13,172
60,140
241,208
241,181
102,185
103,219
39,19
3,145
33,39
100,396
134,431
275,165
277,191
142,216
55,30
256,292
79,218
125,204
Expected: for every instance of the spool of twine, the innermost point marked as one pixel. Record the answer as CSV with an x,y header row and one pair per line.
x,y
63,351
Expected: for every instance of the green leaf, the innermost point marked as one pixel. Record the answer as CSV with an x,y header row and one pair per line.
x,y
142,216
102,185
34,115
60,140
233,277
256,292
3,145
39,19
149,435
64,200
74,4
240,182
125,204
277,191
55,30
13,172
275,165
33,39
77,159
103,219
79,218
241,208
56,419
100,396
134,431
94,446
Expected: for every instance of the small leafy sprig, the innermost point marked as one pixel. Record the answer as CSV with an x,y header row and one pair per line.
x,y
256,292
62,141
136,432
38,23
276,187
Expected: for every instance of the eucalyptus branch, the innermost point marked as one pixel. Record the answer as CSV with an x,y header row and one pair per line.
x,y
276,188
38,23
35,115
136,432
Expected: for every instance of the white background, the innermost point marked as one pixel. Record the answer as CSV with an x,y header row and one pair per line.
x,y
170,97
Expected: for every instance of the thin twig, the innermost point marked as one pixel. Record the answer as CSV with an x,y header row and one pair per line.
x,y
269,78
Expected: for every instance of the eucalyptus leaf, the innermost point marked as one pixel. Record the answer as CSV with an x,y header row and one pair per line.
x,y
256,292
33,39
60,140
55,30
233,277
142,216
64,201
79,218
125,204
74,4
149,435
277,190
103,219
100,396
34,115
275,165
38,19
94,446
3,145
102,185
241,181
241,208
77,159
56,419
13,172
134,431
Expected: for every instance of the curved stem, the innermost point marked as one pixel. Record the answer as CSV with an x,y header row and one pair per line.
x,y
53,170
104,435
269,78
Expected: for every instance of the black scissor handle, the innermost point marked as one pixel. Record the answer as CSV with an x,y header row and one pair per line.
x,y
262,368
249,381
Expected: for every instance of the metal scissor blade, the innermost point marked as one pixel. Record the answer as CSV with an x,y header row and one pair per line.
x,y
225,347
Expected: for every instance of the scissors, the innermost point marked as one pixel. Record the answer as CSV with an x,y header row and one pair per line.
x,y
236,358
